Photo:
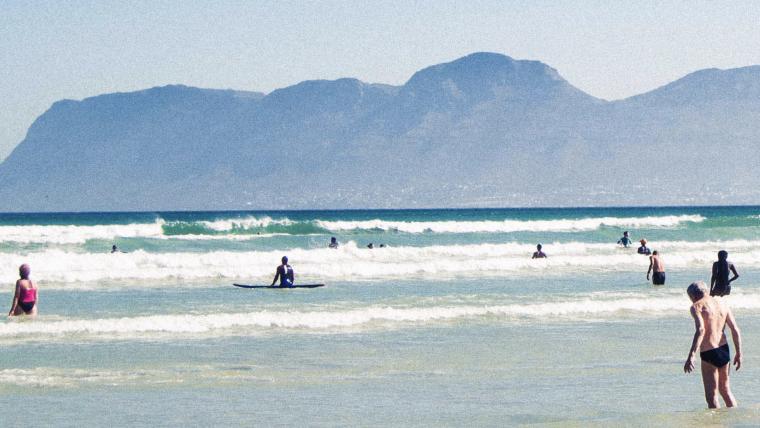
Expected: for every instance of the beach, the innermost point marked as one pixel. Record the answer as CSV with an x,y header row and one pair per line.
x,y
450,323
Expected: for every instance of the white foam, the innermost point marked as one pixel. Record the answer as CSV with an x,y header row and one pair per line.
x,y
224,225
70,234
593,307
505,226
351,263
45,377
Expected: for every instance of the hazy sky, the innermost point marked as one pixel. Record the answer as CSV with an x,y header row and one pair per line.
x,y
50,50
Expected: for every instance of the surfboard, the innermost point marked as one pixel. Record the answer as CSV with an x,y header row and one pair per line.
x,y
277,286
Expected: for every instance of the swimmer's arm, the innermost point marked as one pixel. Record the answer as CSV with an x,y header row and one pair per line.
x,y
276,275
699,334
14,304
736,335
651,262
733,270
714,276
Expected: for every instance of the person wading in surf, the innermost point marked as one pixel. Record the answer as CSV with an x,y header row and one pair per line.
x,y
720,284
538,254
711,316
25,298
657,268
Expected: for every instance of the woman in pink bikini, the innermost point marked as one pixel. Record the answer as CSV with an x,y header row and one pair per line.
x,y
25,298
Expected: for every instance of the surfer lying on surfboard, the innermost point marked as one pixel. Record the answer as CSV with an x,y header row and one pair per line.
x,y
284,273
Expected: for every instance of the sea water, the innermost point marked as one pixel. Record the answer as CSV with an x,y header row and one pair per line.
x,y
450,323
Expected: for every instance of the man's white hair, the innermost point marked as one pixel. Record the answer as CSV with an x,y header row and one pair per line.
x,y
697,290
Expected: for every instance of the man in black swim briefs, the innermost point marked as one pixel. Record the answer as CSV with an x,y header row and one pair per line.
x,y
711,317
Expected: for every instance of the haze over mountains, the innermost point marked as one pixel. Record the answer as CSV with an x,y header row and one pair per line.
x,y
484,130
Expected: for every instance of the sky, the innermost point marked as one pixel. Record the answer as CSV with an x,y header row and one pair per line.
x,y
53,50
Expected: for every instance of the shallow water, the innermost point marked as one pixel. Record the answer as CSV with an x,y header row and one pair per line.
x,y
450,324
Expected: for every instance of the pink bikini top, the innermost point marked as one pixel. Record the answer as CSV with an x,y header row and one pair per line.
x,y
28,295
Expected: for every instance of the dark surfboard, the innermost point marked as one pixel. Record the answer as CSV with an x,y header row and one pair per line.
x,y
277,286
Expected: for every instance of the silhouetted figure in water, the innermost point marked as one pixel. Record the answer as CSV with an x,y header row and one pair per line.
x,y
720,284
538,254
333,243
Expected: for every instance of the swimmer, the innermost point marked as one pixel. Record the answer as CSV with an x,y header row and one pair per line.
x,y
720,284
25,298
657,267
371,246
284,273
625,240
643,248
538,254
333,243
711,317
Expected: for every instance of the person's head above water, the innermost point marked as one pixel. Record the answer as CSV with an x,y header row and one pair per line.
x,y
332,239
643,241
284,260
538,247
24,271
697,290
722,255
625,233
654,253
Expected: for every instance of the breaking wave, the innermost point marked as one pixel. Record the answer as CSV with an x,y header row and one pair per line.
x,y
353,263
237,228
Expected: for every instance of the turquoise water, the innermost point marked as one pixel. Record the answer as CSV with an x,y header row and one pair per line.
x,y
451,323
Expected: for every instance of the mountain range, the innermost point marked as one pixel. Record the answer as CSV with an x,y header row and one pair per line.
x,y
484,130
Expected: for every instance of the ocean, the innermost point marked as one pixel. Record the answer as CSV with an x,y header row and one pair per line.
x,y
450,323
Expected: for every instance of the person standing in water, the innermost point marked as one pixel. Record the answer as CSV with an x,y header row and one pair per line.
x,y
284,273
720,284
643,249
538,254
625,240
711,317
657,268
25,298
333,243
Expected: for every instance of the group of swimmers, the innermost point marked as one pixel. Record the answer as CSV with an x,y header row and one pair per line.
x,y
720,283
711,317
334,244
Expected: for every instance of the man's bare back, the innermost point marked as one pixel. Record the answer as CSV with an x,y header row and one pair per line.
x,y
657,263
714,316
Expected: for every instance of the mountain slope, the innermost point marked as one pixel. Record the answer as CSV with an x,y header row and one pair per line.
x,y
483,130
